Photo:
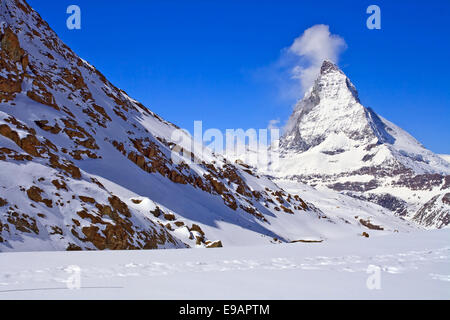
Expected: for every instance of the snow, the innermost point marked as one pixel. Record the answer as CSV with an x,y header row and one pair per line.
x,y
446,157
416,267
344,209
333,140
321,252
121,177
412,154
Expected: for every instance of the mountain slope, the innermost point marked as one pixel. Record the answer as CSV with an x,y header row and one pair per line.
x,y
435,213
333,141
446,157
84,166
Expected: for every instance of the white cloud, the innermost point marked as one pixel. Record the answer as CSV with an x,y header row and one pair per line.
x,y
303,59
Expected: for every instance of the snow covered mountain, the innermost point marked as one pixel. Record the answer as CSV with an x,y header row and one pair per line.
x,y
333,141
84,166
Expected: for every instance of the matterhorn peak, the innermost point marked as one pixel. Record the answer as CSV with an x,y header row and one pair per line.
x,y
330,120
328,66
330,107
333,83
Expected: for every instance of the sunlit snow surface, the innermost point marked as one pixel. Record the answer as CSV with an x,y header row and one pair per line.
x,y
445,157
412,266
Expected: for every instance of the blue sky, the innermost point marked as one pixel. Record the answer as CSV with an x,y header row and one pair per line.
x,y
213,60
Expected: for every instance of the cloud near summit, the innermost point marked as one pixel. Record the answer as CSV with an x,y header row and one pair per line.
x,y
314,46
300,63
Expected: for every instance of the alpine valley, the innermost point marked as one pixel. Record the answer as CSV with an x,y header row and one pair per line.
x,y
83,166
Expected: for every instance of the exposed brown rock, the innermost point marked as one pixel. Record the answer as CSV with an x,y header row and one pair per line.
x,y
34,193
60,185
287,210
11,46
3,202
215,244
68,167
87,199
74,78
157,212
445,199
199,240
56,230
40,94
369,225
119,205
105,210
23,222
169,217
43,124
73,247
197,228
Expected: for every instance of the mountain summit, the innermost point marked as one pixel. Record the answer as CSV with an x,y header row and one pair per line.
x,y
333,140
332,107
332,113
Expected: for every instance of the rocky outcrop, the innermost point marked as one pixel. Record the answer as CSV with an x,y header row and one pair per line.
x,y
435,213
13,63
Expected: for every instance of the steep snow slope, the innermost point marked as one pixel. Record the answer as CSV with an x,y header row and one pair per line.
x,y
416,267
332,140
436,212
84,166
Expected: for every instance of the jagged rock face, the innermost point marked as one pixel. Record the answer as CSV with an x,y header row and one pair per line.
x,y
64,127
435,213
333,141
